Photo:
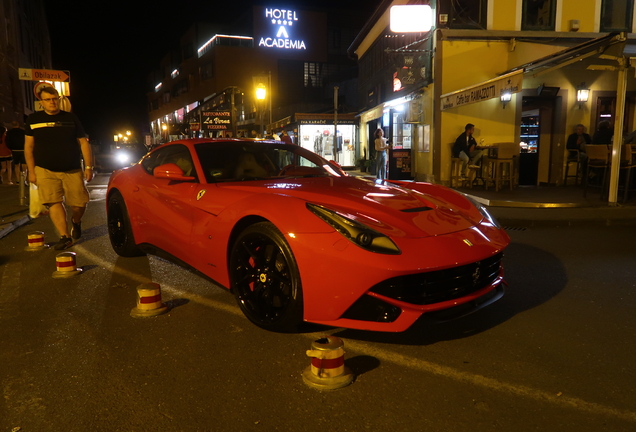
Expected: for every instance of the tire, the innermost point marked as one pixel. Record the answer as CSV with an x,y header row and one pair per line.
x,y
265,279
119,229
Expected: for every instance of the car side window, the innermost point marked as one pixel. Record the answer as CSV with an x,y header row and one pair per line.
x,y
176,154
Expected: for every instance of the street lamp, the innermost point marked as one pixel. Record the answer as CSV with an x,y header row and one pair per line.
x,y
261,94
164,128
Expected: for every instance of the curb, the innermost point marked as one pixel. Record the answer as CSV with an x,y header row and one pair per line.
x,y
14,225
556,223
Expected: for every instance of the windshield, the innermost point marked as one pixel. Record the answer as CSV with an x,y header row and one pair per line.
x,y
244,161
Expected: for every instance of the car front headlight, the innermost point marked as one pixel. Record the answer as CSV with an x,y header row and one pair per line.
x,y
357,233
484,211
123,157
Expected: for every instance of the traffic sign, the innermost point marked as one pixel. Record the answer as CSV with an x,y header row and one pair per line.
x,y
39,86
44,75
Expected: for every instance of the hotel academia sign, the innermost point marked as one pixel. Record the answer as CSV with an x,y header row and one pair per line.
x,y
282,23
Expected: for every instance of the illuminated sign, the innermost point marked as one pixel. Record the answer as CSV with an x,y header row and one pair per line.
x,y
217,120
494,88
411,18
282,21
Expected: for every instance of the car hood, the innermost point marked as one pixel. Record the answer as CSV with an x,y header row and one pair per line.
x,y
420,210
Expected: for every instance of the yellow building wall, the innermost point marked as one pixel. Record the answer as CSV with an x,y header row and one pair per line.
x,y
505,15
423,156
466,63
470,62
585,11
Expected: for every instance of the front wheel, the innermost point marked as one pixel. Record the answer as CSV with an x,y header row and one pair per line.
x,y
119,229
265,279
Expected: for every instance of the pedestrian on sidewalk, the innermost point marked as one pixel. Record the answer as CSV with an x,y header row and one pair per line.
x,y
15,142
5,158
381,147
54,145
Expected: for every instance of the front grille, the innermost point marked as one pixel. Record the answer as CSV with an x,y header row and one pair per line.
x,y
441,285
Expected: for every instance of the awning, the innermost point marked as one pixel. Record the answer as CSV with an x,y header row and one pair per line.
x,y
493,88
609,47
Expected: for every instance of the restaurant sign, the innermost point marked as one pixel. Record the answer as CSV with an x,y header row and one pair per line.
x,y
494,88
217,120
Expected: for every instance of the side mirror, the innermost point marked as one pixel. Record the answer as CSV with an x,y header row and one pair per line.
x,y
170,171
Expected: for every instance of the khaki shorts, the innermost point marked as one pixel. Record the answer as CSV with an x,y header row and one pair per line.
x,y
68,187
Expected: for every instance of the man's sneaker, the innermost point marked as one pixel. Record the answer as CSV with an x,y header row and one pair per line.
x,y
76,230
64,243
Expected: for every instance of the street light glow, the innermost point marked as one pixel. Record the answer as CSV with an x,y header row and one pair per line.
x,y
261,91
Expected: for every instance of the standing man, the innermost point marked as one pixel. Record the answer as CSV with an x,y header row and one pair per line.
x,y
465,148
54,144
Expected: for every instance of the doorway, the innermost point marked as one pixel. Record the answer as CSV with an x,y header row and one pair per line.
x,y
537,133
529,147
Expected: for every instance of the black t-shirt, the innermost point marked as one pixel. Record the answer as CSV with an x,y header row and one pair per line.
x,y
55,140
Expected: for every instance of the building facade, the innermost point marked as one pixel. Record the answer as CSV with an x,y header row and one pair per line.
x,y
24,43
208,87
541,52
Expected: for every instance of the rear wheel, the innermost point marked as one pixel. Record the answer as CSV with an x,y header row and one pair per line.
x,y
119,229
265,278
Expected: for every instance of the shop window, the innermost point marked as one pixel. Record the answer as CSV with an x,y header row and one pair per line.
x,y
538,15
616,15
464,14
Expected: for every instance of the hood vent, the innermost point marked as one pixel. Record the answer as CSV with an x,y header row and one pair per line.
x,y
417,210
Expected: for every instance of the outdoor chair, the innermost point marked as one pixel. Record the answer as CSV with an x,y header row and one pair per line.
x,y
573,158
504,165
456,170
598,161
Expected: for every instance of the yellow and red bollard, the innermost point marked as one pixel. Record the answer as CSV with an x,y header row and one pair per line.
x,y
35,241
148,301
66,265
327,370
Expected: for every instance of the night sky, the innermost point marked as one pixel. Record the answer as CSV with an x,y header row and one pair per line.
x,y
111,47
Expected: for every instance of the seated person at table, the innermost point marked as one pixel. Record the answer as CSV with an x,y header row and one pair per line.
x,y
604,133
577,141
465,148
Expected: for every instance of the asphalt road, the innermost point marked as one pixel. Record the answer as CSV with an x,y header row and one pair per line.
x,y
556,353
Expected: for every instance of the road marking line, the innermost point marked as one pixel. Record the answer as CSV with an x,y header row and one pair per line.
x,y
403,360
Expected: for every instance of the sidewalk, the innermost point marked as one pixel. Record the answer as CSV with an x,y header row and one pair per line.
x,y
12,214
550,206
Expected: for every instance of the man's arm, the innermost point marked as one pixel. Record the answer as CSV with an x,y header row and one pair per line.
x,y
28,156
87,154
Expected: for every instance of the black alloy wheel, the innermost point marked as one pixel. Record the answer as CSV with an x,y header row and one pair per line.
x,y
265,278
119,229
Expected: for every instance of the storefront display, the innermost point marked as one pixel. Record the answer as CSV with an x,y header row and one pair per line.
x,y
320,140
316,132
